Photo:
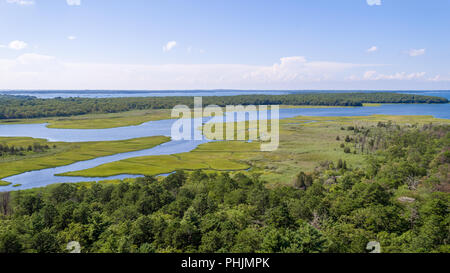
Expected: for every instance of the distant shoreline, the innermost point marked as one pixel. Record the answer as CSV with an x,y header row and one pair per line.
x,y
210,90
50,94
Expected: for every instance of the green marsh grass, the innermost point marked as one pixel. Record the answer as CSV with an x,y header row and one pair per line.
x,y
4,183
69,153
304,142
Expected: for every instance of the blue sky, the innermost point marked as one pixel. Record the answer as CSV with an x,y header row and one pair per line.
x,y
230,44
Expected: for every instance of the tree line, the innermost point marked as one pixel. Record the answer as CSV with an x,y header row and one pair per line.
x,y
20,150
15,107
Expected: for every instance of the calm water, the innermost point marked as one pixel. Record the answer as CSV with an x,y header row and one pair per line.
x,y
162,127
47,176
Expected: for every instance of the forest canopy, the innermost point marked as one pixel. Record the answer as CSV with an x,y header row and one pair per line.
x,y
16,107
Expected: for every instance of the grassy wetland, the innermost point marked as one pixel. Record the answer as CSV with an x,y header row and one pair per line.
x,y
213,156
122,119
304,143
334,184
66,153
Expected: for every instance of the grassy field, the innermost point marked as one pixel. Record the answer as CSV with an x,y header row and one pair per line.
x,y
68,153
372,104
98,121
304,143
219,156
4,183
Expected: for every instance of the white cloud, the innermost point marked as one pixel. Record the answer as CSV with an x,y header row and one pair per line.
x,y
440,78
73,2
21,2
35,71
299,69
374,2
72,37
33,58
31,71
416,52
169,46
17,45
372,49
436,78
373,75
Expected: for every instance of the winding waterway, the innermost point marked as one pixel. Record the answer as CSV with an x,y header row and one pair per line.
x,y
48,176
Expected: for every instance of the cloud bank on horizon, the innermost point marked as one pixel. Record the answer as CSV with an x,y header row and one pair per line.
x,y
295,72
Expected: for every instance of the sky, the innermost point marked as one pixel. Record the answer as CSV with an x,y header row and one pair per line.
x,y
225,44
